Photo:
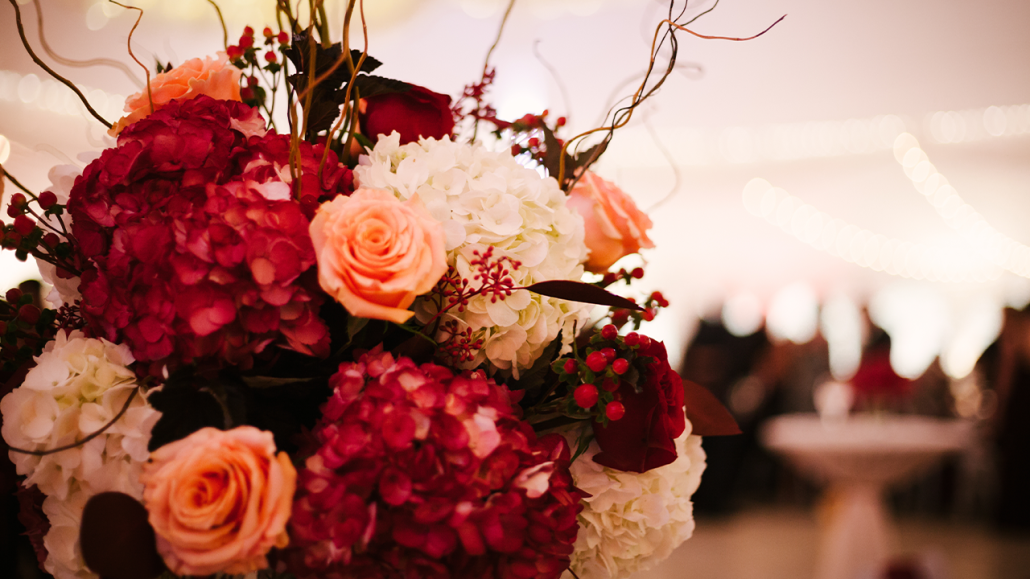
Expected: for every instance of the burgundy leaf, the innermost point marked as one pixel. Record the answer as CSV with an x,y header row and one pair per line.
x,y
577,291
117,540
707,415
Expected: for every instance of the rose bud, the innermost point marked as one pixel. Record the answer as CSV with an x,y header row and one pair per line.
x,y
416,112
614,226
13,295
29,314
586,395
644,436
283,38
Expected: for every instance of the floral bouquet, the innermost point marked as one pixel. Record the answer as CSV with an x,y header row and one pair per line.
x,y
364,344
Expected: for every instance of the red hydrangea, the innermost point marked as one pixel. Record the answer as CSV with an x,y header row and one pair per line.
x,y
198,246
423,473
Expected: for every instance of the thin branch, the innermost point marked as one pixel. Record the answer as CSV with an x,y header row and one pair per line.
x,y
80,63
5,173
554,75
225,31
706,37
128,44
50,71
489,53
88,438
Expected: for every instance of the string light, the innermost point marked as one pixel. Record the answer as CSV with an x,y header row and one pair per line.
x,y
863,247
998,248
50,95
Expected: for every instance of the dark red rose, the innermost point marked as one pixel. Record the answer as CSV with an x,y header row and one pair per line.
x,y
643,438
413,113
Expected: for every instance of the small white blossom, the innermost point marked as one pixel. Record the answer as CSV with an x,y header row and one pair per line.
x,y
632,521
65,290
487,199
78,385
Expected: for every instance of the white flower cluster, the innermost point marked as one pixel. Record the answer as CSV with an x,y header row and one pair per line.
x,y
487,199
632,521
78,385
65,290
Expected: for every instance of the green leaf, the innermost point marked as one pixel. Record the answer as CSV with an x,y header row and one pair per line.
x,y
369,86
355,325
541,376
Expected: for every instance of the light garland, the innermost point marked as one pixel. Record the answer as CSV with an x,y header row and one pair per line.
x,y
996,247
50,95
863,247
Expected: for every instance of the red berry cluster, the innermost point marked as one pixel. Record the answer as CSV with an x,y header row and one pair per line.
x,y
246,54
622,275
24,330
594,380
654,302
33,233
531,126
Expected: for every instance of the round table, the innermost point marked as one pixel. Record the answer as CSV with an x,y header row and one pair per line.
x,y
858,458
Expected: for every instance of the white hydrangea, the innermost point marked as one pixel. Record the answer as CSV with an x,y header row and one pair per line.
x,y
78,385
486,199
65,290
632,521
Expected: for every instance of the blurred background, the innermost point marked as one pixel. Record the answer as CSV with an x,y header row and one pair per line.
x,y
839,210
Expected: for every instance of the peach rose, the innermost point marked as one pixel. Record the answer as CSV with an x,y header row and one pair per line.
x,y
216,78
376,254
614,226
219,500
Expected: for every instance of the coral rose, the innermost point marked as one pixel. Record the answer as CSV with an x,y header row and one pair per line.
x,y
614,226
376,254
219,500
212,77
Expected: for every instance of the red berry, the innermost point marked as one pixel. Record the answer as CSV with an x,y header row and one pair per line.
x,y
614,410
29,314
570,367
248,31
270,56
12,239
252,80
561,121
233,52
620,366
660,299
610,385
17,205
609,279
609,332
545,113
246,93
515,150
609,354
596,361
586,395
246,42
13,295
637,272
648,315
534,142
283,38
632,339
24,224
51,239
267,32
47,199
644,341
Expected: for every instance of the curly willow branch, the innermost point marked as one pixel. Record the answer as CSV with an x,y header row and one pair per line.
x,y
623,116
225,31
128,44
88,438
50,71
79,63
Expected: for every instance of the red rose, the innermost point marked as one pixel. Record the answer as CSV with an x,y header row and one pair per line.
x,y
412,113
643,438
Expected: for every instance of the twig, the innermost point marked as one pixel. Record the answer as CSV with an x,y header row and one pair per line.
x,y
80,63
225,31
486,61
88,438
50,71
128,44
